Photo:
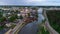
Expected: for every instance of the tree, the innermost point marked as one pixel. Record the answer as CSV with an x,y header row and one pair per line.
x,y
1,27
21,17
17,11
16,16
37,15
2,19
28,14
12,18
1,14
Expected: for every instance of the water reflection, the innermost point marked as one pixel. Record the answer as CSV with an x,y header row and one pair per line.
x,y
40,16
32,27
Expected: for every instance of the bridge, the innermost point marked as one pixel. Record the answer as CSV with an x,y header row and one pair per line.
x,y
21,24
16,28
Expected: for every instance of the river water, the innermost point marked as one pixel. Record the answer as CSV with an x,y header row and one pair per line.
x,y
4,30
32,28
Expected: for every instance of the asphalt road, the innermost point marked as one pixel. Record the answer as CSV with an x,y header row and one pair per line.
x,y
31,28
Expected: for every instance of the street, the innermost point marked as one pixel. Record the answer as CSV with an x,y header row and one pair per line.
x,y
31,28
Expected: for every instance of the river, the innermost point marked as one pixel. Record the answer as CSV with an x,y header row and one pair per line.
x,y
32,28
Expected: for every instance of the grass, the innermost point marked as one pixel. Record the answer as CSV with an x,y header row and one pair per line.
x,y
42,30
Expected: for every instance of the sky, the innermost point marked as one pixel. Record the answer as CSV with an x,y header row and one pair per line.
x,y
31,2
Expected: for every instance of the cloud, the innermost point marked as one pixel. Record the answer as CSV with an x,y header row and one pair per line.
x,y
30,2
35,0
3,3
44,3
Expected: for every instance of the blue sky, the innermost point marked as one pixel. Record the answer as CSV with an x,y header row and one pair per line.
x,y
31,2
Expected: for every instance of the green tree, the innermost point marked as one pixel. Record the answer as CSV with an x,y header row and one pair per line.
x,y
1,27
2,19
36,15
12,18
17,11
21,17
16,16
1,14
28,14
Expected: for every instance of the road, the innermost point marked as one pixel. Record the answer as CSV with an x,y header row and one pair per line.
x,y
31,28
49,28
